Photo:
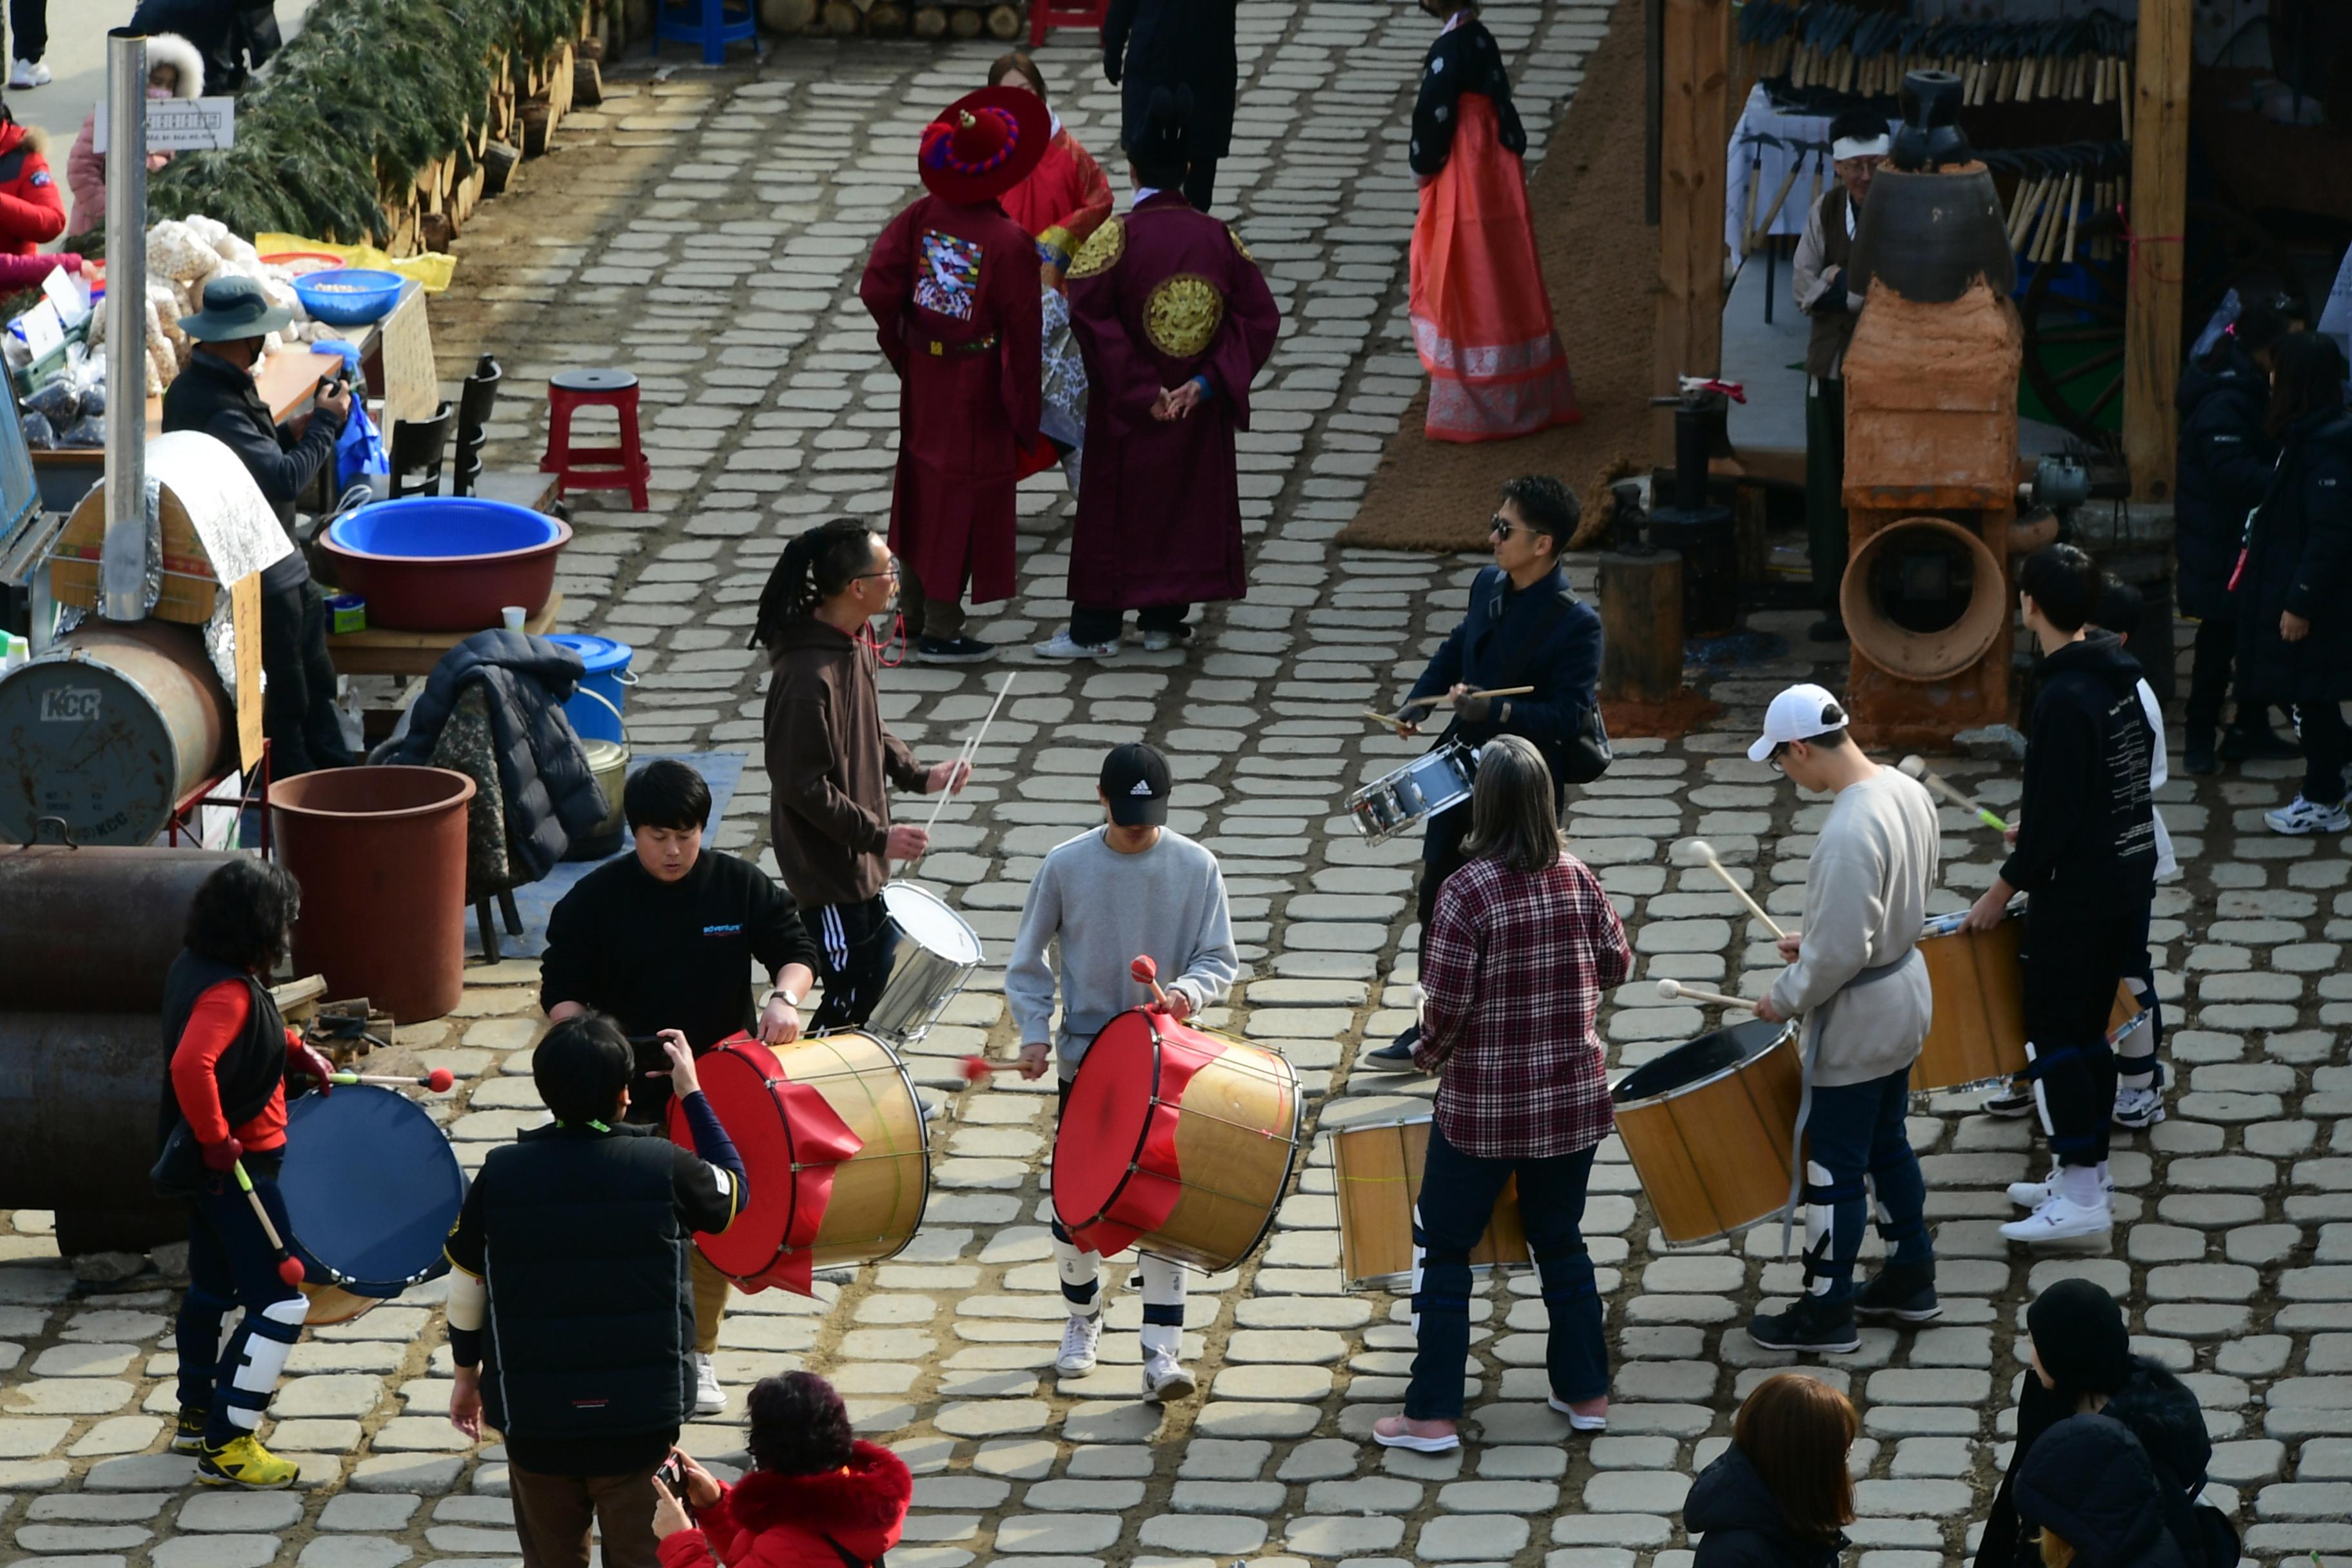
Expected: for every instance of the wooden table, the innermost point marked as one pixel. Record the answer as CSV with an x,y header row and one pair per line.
x,y
382,651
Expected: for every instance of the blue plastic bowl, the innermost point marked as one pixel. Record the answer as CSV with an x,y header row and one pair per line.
x,y
349,296
444,563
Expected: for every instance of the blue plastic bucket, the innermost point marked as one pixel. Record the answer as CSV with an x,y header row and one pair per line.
x,y
608,676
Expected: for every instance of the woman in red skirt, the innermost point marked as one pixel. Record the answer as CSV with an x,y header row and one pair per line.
x,y
1481,319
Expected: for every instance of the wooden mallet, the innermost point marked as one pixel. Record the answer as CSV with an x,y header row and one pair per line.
x,y
1148,973
1698,851
1675,990
1916,766
290,1268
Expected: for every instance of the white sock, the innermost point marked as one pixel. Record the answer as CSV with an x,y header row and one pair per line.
x,y
2079,1185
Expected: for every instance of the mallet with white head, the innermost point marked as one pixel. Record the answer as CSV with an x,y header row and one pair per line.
x,y
1675,990
1699,852
1916,766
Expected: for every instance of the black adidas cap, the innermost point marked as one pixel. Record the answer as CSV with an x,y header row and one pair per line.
x,y
1135,780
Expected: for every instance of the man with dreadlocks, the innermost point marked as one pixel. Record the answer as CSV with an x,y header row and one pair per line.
x,y
830,760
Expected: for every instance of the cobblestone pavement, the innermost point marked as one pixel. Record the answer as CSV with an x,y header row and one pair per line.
x,y
707,230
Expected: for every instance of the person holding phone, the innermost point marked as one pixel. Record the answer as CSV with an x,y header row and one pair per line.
x,y
571,1320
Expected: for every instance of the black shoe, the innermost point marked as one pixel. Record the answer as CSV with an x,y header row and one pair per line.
x,y
960,650
2013,1099
1808,1325
1829,628
1394,1056
2256,743
1904,1292
2198,756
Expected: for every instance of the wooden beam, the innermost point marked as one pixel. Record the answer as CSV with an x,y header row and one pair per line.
x,y
1695,56
2158,262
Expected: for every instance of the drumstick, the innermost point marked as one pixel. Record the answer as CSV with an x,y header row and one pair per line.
x,y
970,750
1146,971
1702,850
1916,766
438,1080
1443,701
1673,990
290,1268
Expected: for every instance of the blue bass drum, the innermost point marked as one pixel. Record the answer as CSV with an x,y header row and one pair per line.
x,y
371,1190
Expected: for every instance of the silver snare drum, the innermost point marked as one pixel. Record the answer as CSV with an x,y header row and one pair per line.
x,y
1414,792
934,952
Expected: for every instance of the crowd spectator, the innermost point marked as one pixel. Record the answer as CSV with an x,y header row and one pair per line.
x,y
175,68
815,1497
1781,1495
32,208
1184,46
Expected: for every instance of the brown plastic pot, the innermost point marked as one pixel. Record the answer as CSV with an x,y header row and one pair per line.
x,y
380,855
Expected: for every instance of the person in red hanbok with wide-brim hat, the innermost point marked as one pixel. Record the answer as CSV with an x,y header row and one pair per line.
x,y
952,287
1481,319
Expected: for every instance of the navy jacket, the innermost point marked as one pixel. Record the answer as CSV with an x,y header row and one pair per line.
x,y
2225,463
2089,1480
2158,1407
1173,44
1522,638
1742,1524
2299,558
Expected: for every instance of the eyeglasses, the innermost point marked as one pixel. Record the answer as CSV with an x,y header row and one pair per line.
x,y
1775,754
890,572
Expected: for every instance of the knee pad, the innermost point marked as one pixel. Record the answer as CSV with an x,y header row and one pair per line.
x,y
1161,1284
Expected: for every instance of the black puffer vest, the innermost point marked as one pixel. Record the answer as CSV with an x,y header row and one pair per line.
x,y
250,1070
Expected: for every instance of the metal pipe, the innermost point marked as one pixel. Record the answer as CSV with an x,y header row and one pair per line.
x,y
123,575
95,928
79,1096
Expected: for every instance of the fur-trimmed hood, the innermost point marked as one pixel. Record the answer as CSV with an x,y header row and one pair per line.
x,y
32,137
870,1493
184,58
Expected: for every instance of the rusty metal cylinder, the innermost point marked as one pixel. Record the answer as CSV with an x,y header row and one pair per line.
x,y
94,928
108,734
80,1095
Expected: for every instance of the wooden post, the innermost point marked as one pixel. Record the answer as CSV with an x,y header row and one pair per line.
x,y
1695,56
2158,257
1641,626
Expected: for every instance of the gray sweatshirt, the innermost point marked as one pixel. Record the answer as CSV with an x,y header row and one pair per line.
x,y
1103,910
1866,902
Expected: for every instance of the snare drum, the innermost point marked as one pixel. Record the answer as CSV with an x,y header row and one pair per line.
x,y
932,953
835,1150
371,1189
1175,1141
1978,1033
1414,792
1378,1169
1709,1126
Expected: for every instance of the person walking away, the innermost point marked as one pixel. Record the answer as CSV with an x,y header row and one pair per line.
x,y
2084,852
1859,143
1482,320
2226,458
175,68
1780,1496
1525,626
2080,1362
1174,321
955,309
1131,888
831,761
662,939
228,1053
213,393
2294,629
2140,1074
1524,946
29,20
814,1498
571,1321
1177,46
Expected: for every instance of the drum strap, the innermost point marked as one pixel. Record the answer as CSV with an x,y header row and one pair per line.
x,y
1811,1059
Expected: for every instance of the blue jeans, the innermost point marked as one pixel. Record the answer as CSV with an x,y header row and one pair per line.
x,y
1855,1131
231,1264
1457,1198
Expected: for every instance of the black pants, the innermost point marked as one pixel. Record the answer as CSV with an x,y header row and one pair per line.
x,y
1199,185
2072,964
854,944
297,710
1825,519
29,20
1094,627
2326,746
231,1264
1441,856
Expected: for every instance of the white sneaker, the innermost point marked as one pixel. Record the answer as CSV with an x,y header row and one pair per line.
x,y
710,1399
1577,1423
1164,1378
1160,641
2138,1107
2059,1220
1062,646
29,73
2300,817
1079,1338
2033,1194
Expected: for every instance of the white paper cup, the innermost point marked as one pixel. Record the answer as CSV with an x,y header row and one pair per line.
x,y
514,616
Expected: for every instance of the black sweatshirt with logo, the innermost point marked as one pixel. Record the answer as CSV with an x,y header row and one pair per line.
x,y
2086,825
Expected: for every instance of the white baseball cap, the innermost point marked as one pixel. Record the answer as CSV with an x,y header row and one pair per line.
x,y
1799,713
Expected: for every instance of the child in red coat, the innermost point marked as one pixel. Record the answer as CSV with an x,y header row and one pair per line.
x,y
814,1498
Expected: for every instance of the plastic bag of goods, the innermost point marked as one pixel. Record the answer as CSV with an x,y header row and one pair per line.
x,y
90,430
40,434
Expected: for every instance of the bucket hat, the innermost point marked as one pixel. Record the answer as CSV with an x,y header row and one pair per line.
x,y
984,143
234,308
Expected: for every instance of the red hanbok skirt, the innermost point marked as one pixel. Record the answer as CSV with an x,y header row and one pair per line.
x,y
1481,320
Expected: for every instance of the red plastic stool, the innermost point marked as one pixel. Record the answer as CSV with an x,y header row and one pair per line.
x,y
1045,14
620,467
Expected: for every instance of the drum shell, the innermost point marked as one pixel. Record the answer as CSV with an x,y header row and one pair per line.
x,y
1713,1154
922,982
1406,797
879,1193
1378,1176
1978,1033
95,928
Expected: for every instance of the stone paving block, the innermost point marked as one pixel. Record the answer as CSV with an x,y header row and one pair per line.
x,y
1317,1536
216,1552
1218,1535
1057,1533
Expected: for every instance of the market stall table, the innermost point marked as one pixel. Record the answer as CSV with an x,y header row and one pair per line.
x,y
380,650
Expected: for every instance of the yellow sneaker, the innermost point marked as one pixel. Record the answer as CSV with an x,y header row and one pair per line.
x,y
188,1437
244,1462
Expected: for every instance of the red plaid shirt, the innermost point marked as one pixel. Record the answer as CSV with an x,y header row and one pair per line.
x,y
1514,965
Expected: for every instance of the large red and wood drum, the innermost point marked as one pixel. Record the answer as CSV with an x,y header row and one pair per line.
x,y
834,1151
1175,1141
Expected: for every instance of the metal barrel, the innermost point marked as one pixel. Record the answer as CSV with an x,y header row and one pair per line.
x,y
94,928
80,1094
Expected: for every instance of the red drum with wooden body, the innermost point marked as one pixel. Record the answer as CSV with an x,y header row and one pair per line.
x,y
1175,1141
1709,1126
1378,1169
1978,1036
835,1149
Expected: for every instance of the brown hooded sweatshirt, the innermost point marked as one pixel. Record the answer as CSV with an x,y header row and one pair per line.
x,y
830,765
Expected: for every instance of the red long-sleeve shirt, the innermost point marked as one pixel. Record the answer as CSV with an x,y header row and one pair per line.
x,y
217,1023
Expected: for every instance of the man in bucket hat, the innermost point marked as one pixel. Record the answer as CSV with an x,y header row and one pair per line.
x,y
214,394
952,287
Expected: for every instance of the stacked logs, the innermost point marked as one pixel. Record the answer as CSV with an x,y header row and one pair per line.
x,y
892,19
528,101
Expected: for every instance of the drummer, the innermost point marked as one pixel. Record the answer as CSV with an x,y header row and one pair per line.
x,y
1132,888
1525,627
665,938
1854,975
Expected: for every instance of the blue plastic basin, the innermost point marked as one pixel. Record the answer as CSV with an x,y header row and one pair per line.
x,y
349,296
437,563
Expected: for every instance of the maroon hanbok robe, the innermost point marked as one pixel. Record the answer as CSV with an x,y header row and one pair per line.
x,y
953,293
1157,297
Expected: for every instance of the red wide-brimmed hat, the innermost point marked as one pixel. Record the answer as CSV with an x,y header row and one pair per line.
x,y
984,143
